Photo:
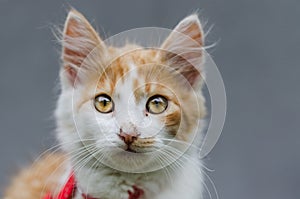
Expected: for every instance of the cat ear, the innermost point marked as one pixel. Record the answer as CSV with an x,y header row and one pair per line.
x,y
79,40
183,48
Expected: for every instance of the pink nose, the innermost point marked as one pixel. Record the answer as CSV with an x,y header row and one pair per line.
x,y
128,138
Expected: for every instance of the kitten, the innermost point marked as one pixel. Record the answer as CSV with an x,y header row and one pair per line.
x,y
127,119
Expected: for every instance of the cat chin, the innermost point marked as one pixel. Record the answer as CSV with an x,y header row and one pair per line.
x,y
131,162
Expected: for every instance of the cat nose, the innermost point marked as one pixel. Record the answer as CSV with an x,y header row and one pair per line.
x,y
128,138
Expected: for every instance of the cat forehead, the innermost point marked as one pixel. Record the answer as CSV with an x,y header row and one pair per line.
x,y
129,81
129,58
128,68
135,74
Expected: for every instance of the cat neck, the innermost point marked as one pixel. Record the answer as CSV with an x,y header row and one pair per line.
x,y
105,181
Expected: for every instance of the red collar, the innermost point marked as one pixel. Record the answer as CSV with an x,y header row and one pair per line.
x,y
69,189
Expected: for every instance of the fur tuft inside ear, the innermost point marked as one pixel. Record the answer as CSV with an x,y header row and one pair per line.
x,y
79,39
183,49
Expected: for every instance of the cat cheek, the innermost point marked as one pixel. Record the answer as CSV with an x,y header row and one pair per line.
x,y
172,122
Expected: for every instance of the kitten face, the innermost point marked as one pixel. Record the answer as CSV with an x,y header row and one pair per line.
x,y
126,106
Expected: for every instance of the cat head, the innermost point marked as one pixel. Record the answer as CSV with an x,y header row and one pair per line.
x,y
125,105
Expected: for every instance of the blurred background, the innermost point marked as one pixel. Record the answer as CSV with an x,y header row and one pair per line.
x,y
257,52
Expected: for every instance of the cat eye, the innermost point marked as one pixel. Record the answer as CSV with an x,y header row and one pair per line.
x,y
157,104
103,103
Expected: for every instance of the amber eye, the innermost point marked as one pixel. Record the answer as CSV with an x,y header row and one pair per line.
x,y
103,103
157,104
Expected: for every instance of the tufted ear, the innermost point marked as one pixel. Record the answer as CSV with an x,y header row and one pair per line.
x,y
79,40
183,49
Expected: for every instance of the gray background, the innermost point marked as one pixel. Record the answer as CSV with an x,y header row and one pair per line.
x,y
257,155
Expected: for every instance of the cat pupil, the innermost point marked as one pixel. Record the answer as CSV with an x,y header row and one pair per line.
x,y
105,102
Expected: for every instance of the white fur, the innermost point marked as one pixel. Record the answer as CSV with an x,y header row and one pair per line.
x,y
184,181
103,183
90,138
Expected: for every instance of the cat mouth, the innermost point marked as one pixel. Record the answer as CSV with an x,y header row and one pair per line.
x,y
137,149
129,149
138,145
